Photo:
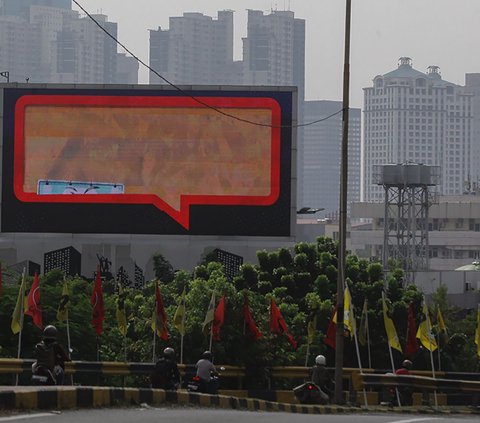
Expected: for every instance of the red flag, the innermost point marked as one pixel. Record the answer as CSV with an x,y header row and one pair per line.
x,y
331,336
249,322
218,318
278,325
411,346
33,301
160,315
96,300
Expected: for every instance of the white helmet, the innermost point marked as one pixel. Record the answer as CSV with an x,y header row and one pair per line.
x,y
320,360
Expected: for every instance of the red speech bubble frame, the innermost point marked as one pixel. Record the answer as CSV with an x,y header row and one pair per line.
x,y
182,216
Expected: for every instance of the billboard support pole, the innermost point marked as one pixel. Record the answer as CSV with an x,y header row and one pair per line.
x,y
339,350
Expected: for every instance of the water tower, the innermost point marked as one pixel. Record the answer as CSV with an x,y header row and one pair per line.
x,y
407,201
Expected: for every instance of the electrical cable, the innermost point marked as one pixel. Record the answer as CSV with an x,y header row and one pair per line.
x,y
117,41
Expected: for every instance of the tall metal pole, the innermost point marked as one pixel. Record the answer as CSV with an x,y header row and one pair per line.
x,y
343,211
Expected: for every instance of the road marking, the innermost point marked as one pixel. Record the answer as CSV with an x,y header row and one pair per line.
x,y
25,416
417,420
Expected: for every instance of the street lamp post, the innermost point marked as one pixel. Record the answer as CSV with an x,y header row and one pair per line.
x,y
6,75
339,350
309,210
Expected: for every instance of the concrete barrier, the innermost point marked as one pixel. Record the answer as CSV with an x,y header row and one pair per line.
x,y
63,398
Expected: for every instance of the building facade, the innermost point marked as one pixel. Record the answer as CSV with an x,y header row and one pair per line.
x,y
411,116
453,231
322,155
196,49
274,50
46,41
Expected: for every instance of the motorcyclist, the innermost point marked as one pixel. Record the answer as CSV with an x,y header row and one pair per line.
x,y
165,374
51,357
322,378
405,392
206,372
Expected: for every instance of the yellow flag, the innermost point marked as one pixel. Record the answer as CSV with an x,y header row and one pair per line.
x,y
477,332
120,312
362,331
62,311
441,326
390,327
424,332
179,317
17,316
348,317
210,314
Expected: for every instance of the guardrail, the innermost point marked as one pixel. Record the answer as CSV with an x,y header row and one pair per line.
x,y
421,383
354,381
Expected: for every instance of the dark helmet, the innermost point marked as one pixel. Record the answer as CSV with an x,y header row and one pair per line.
x,y
50,332
407,364
169,353
207,355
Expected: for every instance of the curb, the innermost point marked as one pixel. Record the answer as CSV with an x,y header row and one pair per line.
x,y
64,398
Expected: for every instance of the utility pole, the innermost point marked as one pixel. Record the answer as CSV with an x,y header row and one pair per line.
x,y
342,251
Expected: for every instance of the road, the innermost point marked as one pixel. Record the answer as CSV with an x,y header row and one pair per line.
x,y
174,415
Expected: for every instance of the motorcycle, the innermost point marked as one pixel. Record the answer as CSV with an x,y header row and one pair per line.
x,y
42,376
196,384
309,393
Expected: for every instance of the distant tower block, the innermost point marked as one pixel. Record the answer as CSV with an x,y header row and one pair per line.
x,y
406,213
68,259
231,262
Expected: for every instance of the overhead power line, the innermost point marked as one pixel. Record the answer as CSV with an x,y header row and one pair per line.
x,y
198,100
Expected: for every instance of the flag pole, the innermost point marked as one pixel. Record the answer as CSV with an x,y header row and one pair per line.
x,y
22,283
307,354
181,338
393,370
368,342
154,336
429,330
354,324
211,336
438,348
69,346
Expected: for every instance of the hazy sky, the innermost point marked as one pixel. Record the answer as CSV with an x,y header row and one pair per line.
x,y
445,33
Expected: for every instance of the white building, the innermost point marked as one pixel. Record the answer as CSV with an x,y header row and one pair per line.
x,y
454,231
411,116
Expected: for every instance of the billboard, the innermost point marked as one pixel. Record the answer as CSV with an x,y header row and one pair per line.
x,y
156,161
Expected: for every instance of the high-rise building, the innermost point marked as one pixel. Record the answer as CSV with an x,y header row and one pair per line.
x,y
322,155
22,7
472,85
274,50
196,49
411,116
46,41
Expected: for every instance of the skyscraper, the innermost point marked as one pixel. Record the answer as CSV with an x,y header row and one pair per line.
x,y
411,116
22,7
196,49
274,50
46,41
321,156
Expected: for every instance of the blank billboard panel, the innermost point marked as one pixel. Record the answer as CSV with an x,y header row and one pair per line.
x,y
160,162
